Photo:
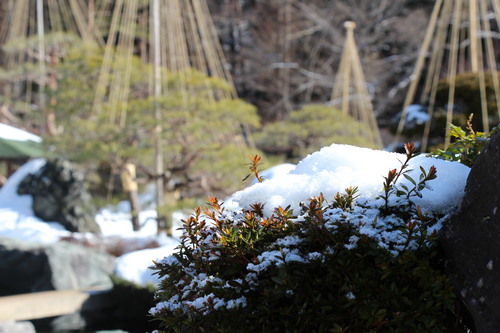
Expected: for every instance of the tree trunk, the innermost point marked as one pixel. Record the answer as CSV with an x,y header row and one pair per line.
x,y
129,184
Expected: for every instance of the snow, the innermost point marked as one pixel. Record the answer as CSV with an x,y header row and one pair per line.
x,y
328,171
8,193
134,266
416,114
275,171
12,133
337,167
18,222
16,213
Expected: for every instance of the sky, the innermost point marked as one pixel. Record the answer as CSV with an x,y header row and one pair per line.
x,y
328,171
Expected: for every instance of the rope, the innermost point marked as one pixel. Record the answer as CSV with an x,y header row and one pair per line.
x,y
218,52
473,36
27,20
79,19
464,45
106,65
491,56
418,67
356,103
41,55
435,69
482,92
452,68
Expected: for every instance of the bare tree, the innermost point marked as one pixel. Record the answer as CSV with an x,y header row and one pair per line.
x,y
271,41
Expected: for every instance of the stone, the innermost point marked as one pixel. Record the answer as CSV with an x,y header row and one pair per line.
x,y
59,195
17,327
471,241
30,267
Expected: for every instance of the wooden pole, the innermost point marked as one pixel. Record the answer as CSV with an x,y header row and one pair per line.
x,y
41,59
91,17
286,58
349,26
473,35
159,167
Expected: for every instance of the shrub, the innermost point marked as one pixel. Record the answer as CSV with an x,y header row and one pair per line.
x,y
307,130
339,265
466,145
468,99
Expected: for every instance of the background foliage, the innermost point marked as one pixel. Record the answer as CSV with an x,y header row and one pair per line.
x,y
201,136
307,130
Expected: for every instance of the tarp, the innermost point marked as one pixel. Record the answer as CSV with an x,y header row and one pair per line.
x,y
12,149
16,143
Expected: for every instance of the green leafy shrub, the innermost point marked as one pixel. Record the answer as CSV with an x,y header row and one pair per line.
x,y
309,129
339,265
466,146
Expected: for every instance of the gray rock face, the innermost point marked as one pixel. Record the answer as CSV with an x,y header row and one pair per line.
x,y
471,240
29,267
59,195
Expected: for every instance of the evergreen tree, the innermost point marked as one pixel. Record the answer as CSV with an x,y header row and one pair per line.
x,y
201,138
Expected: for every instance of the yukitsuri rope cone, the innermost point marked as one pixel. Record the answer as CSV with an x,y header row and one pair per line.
x,y
458,40
175,37
350,94
34,30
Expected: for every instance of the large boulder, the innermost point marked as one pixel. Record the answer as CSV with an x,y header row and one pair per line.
x,y
59,195
30,267
471,240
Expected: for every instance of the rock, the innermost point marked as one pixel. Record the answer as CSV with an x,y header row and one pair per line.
x,y
471,242
59,195
17,327
29,267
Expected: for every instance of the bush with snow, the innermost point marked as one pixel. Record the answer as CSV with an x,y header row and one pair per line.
x,y
278,257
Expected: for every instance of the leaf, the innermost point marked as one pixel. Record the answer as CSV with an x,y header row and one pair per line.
x,y
410,179
457,132
400,193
